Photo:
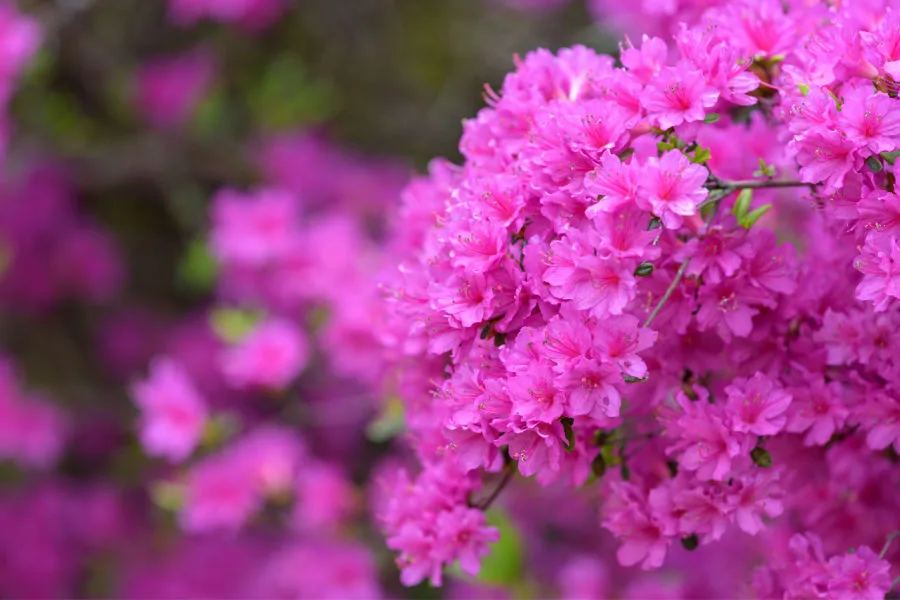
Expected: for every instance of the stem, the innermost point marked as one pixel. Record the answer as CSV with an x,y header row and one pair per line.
x,y
509,470
894,583
887,543
668,293
722,188
756,183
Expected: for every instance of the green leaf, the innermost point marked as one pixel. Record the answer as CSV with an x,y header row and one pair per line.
x,y
874,164
761,457
701,156
567,423
751,219
742,204
838,103
890,157
218,430
389,423
232,324
286,97
504,565
630,379
167,495
804,89
764,170
598,466
645,269
711,118
690,542
213,116
198,270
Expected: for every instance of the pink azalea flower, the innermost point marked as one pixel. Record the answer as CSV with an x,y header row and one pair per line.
x,y
756,406
591,388
255,228
173,413
870,120
271,356
463,535
169,89
678,95
614,183
705,442
825,157
879,263
600,285
219,494
861,575
673,187
643,523
818,410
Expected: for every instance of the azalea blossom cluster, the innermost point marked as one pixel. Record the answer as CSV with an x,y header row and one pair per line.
x,y
236,470
644,279
221,399
639,343
230,427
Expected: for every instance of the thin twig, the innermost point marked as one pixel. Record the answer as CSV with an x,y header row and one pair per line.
x,y
887,543
722,188
750,184
509,471
668,293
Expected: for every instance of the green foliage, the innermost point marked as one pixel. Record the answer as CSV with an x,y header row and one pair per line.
x,y
198,270
567,423
765,170
167,495
389,422
505,563
645,269
742,206
874,164
701,155
233,324
285,96
761,457
890,157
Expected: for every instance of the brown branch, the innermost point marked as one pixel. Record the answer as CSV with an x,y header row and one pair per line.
x,y
678,276
508,471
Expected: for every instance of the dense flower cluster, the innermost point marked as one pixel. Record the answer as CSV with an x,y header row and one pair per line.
x,y
643,275
638,344
270,284
221,403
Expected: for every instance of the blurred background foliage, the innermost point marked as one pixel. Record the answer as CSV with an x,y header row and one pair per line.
x,y
389,78
392,78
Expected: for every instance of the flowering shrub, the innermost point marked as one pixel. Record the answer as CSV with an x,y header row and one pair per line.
x,y
670,282
638,343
